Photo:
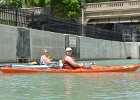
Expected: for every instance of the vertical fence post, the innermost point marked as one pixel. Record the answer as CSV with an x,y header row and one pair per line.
x,y
114,32
82,7
16,16
83,21
32,19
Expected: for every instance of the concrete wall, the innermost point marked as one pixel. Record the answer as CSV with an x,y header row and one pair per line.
x,y
8,43
91,48
54,42
18,43
23,43
134,49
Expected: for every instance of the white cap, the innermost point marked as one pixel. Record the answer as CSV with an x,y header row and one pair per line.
x,y
68,49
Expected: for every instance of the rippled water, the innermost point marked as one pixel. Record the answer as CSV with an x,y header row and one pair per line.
x,y
95,86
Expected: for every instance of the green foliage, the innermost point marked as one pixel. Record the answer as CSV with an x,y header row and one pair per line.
x,y
136,26
14,3
70,8
7,22
47,2
67,9
28,3
35,3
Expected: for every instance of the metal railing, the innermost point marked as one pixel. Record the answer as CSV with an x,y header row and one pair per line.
x,y
129,34
99,33
114,5
13,16
19,17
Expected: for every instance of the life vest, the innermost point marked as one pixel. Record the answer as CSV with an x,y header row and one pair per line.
x,y
66,64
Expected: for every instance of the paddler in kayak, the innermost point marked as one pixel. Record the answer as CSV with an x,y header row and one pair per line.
x,y
44,60
68,61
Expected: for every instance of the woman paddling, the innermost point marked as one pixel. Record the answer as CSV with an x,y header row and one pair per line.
x,y
44,60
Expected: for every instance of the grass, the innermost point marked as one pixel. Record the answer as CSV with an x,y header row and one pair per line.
x,y
5,22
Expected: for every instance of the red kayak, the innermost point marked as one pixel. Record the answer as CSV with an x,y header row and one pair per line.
x,y
93,69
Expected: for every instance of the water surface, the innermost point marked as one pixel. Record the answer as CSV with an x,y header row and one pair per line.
x,y
95,86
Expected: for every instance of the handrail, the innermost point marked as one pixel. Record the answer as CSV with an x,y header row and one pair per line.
x,y
112,5
37,10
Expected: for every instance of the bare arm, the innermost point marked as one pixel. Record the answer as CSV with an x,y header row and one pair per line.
x,y
47,61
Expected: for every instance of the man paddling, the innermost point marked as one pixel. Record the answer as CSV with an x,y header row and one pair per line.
x,y
68,61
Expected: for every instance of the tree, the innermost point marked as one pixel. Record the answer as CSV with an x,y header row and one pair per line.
x,y
14,3
28,3
35,3
67,9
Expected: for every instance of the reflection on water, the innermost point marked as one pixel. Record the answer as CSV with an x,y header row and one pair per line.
x,y
93,86
96,86
103,86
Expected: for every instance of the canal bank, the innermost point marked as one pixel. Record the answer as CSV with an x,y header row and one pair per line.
x,y
23,44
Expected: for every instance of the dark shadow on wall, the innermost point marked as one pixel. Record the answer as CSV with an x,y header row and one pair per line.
x,y
23,45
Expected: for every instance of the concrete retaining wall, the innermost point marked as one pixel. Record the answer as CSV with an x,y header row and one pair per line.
x,y
91,48
8,43
54,42
17,43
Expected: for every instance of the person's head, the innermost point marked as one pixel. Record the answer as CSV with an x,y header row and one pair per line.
x,y
45,52
68,51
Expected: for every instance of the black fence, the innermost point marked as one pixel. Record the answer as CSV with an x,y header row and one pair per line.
x,y
13,16
129,34
49,23
99,33
24,18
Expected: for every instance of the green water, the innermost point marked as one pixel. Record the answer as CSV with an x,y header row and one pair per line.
x,y
95,86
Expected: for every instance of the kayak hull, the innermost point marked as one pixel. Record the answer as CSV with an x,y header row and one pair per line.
x,y
93,69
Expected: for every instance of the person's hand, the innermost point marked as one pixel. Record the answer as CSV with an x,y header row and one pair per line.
x,y
56,63
82,66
